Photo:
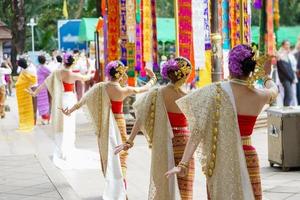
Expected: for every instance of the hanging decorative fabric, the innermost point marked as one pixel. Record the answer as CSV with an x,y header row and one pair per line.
x,y
113,29
199,37
147,31
130,20
220,14
130,56
138,47
123,32
257,4
262,28
225,24
270,42
245,29
206,15
185,28
276,19
154,35
131,63
234,22
105,34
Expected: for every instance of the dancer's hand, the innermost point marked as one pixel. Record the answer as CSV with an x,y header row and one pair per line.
x,y
121,147
65,111
176,170
31,92
149,72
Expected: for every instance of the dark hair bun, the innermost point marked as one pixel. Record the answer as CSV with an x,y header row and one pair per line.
x,y
113,72
42,59
70,61
22,63
248,66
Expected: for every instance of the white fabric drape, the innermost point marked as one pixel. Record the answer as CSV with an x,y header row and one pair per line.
x,y
198,36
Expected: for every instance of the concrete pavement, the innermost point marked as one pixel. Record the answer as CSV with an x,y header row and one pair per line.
x,y
32,151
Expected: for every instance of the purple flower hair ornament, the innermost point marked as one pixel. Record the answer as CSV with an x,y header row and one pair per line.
x,y
67,58
170,65
236,56
119,68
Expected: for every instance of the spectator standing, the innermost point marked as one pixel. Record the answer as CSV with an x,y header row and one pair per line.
x,y
297,56
285,72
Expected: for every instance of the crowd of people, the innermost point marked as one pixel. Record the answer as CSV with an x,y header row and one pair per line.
x,y
174,122
288,71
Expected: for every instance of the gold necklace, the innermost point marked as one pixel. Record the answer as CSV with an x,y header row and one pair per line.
x,y
240,82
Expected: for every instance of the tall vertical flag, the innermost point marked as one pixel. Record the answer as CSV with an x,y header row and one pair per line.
x,y
113,24
270,40
199,37
65,9
123,31
147,31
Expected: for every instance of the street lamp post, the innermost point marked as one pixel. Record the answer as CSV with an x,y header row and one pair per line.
x,y
32,24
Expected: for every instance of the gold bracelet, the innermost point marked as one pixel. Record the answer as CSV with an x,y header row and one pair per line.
x,y
185,164
131,143
76,106
267,79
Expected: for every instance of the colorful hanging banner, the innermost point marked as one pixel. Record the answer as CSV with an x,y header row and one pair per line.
x,y
113,29
198,27
225,24
185,28
130,20
139,47
147,31
234,22
154,36
105,40
246,22
262,27
130,56
123,31
270,40
206,24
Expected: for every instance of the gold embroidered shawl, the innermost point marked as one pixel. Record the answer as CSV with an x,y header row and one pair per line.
x,y
153,120
230,179
55,88
97,105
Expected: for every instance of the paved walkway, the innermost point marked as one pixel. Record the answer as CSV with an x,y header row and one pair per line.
x,y
33,152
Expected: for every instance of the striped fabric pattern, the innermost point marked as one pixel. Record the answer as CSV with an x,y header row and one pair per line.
x,y
122,128
185,183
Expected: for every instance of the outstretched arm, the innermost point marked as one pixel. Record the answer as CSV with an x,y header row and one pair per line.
x,y
129,143
135,90
182,167
37,91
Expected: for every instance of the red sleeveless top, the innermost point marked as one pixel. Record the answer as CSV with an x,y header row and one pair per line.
x,y
68,87
246,125
177,119
117,107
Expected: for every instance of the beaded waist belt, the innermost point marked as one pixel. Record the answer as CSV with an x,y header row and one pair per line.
x,y
246,140
183,128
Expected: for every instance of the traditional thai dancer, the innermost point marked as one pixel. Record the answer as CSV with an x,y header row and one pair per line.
x,y
27,79
165,127
60,85
104,104
221,118
43,103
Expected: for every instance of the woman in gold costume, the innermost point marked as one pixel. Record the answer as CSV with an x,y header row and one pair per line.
x,y
221,118
104,104
165,127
